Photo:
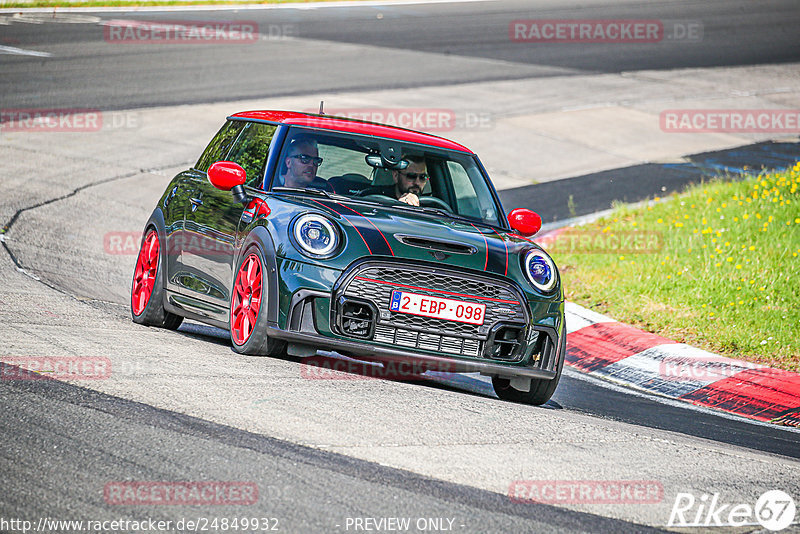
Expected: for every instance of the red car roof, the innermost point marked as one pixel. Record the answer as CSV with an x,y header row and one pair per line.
x,y
341,124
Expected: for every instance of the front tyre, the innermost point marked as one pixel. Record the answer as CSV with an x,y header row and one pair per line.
x,y
147,288
541,389
248,320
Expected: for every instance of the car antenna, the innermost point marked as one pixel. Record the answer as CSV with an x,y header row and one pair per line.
x,y
321,102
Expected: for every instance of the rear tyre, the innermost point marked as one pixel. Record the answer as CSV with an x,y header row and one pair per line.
x,y
541,389
248,320
147,288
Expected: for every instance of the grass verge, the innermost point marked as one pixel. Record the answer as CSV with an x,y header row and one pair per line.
x,y
717,266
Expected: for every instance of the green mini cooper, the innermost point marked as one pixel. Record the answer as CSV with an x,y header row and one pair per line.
x,y
312,234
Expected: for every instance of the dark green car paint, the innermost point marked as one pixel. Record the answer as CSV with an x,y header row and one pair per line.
x,y
205,236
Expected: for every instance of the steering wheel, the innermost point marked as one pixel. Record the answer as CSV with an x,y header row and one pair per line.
x,y
434,202
430,202
376,196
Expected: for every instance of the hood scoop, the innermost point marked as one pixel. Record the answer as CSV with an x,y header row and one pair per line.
x,y
436,245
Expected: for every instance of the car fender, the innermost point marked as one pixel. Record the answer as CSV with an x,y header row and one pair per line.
x,y
156,220
259,236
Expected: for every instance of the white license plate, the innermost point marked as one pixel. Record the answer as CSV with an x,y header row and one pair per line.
x,y
438,308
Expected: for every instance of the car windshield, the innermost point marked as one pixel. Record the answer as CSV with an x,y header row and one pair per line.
x,y
445,181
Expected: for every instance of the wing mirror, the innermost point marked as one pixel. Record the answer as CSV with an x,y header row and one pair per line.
x,y
525,221
229,176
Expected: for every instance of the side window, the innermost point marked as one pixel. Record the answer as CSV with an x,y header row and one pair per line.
x,y
251,149
218,148
472,201
465,193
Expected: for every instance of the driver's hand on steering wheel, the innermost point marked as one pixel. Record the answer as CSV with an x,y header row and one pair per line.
x,y
410,198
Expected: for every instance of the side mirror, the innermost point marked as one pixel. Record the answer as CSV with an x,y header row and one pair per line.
x,y
525,221
228,176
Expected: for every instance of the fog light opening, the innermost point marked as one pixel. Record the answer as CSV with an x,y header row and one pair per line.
x,y
504,342
357,319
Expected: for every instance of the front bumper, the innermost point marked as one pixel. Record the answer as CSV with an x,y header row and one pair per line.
x,y
322,344
520,337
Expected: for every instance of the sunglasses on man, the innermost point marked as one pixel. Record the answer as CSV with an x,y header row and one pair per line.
x,y
422,177
305,159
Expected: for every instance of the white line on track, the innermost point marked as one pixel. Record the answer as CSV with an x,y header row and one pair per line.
x,y
242,7
43,18
22,52
481,384
574,373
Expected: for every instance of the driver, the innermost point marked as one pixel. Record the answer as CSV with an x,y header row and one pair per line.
x,y
301,163
408,183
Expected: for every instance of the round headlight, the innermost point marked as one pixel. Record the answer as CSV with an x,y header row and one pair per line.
x,y
315,235
540,270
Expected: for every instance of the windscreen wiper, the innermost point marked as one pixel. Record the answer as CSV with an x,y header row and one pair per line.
x,y
438,211
310,190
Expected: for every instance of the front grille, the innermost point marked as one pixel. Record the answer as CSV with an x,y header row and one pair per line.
x,y
421,340
375,282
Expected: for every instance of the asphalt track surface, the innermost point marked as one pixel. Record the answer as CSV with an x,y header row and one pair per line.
x,y
123,440
63,442
367,48
595,192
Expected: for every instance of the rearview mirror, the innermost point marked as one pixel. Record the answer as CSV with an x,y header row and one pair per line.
x,y
379,161
525,221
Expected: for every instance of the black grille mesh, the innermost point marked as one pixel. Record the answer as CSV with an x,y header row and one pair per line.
x,y
376,284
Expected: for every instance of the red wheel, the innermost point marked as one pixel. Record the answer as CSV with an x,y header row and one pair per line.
x,y
144,277
249,307
246,301
147,291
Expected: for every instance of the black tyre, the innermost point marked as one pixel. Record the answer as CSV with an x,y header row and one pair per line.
x,y
541,389
248,318
147,287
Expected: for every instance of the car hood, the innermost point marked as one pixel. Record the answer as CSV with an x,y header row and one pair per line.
x,y
413,234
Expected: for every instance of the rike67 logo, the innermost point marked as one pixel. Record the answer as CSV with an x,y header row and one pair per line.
x,y
774,510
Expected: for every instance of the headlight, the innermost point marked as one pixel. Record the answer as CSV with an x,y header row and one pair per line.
x,y
540,270
315,235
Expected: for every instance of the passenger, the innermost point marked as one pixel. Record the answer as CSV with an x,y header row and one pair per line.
x,y
301,163
408,183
